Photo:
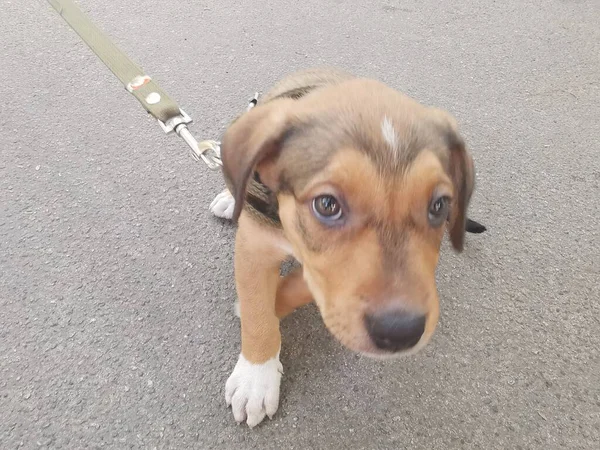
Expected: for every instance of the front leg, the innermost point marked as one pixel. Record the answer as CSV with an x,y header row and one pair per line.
x,y
252,390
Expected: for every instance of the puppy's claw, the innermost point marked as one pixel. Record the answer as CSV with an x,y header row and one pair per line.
x,y
238,408
255,417
252,390
272,402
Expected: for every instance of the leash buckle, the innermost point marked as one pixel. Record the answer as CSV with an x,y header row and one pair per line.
x,y
208,151
172,124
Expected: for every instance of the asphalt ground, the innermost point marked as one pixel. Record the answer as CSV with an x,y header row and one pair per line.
x,y
116,291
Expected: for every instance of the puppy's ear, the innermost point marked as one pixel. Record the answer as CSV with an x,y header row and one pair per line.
x,y
462,173
253,140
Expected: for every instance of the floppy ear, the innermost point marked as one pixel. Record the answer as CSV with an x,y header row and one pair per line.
x,y
462,172
253,140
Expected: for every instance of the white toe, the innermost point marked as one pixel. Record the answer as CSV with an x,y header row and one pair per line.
x,y
219,197
223,205
228,213
252,390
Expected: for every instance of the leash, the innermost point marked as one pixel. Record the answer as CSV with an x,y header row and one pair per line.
x,y
155,101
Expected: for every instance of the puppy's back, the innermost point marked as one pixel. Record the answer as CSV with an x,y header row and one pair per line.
x,y
302,82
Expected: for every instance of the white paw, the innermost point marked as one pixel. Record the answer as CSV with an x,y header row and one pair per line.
x,y
236,309
223,204
252,390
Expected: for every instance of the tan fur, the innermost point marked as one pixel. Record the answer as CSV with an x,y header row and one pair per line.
x,y
258,255
292,293
330,141
351,269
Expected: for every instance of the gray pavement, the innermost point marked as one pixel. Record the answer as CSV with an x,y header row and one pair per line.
x,y
116,290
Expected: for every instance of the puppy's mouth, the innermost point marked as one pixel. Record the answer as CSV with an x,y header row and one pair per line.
x,y
381,333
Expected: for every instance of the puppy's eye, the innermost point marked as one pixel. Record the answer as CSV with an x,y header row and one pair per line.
x,y
327,208
438,211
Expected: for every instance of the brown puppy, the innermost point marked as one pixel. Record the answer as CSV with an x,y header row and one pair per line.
x,y
357,182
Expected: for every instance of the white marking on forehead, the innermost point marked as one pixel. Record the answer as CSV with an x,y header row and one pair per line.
x,y
389,134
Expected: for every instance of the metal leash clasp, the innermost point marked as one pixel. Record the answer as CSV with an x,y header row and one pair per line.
x,y
208,151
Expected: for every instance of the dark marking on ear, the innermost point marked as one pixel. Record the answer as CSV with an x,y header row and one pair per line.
x,y
474,227
453,140
461,170
254,139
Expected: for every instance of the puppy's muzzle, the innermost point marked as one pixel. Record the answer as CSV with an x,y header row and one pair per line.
x,y
394,331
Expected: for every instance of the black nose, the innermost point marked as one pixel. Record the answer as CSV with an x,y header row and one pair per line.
x,y
395,330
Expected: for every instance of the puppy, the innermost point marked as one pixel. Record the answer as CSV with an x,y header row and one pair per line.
x,y
358,183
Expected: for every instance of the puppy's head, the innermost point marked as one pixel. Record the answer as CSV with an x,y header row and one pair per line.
x,y
367,182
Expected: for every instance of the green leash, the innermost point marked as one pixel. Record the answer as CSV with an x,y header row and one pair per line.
x,y
154,100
